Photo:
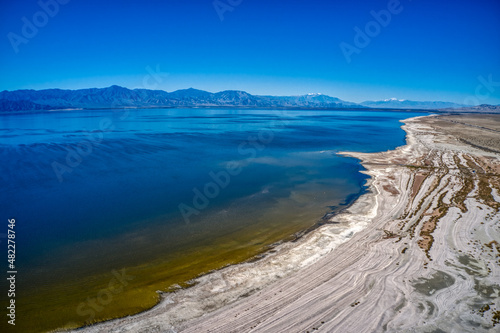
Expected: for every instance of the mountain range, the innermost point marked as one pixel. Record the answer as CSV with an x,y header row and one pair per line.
x,y
116,96
394,103
119,97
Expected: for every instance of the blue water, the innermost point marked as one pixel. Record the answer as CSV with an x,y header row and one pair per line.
x,y
74,176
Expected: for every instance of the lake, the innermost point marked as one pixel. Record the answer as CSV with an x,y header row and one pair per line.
x,y
149,198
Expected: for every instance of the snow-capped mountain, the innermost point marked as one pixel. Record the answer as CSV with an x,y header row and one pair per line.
x,y
116,96
394,103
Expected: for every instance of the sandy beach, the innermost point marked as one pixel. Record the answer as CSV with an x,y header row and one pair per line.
x,y
419,252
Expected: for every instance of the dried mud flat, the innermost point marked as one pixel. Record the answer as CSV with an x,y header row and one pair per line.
x,y
419,253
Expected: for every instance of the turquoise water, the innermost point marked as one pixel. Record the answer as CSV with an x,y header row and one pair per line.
x,y
74,178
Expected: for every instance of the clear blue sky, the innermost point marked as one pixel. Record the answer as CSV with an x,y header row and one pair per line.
x,y
430,50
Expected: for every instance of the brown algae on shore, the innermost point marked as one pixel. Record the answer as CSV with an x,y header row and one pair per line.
x,y
88,304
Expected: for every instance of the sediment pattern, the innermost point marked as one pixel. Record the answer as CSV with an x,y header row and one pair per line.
x,y
419,253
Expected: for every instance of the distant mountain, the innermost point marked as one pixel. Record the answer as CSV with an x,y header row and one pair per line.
x,y
394,103
116,96
113,96
21,105
311,100
483,108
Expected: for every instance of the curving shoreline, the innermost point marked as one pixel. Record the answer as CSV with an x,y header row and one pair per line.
x,y
402,250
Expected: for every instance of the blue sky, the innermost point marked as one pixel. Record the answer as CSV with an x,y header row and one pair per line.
x,y
427,50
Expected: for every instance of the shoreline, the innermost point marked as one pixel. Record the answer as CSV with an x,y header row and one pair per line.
x,y
199,287
338,276
365,200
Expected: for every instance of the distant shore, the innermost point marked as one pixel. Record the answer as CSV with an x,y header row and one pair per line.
x,y
418,252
